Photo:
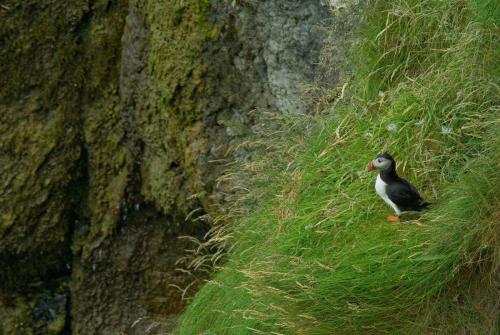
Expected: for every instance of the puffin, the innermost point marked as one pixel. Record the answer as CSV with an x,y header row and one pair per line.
x,y
394,190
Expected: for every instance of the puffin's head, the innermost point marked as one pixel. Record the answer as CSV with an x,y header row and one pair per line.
x,y
382,162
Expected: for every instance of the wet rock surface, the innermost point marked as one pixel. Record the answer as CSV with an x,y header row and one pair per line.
x,y
130,283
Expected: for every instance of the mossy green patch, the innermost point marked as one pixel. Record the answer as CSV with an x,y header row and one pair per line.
x,y
170,128
16,317
39,136
109,159
59,107
56,326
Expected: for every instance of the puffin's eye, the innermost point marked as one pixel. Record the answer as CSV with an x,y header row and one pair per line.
x,y
379,160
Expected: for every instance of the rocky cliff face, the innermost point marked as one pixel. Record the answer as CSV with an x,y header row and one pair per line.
x,y
116,119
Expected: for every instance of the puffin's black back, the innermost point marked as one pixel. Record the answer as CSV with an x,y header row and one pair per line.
x,y
405,196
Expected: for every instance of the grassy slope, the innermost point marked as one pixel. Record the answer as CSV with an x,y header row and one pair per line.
x,y
311,250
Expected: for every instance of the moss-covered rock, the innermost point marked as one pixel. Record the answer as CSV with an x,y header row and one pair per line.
x,y
57,58
171,127
39,137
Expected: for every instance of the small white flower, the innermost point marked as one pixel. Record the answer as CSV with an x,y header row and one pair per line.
x,y
446,130
353,307
368,135
420,122
392,127
381,94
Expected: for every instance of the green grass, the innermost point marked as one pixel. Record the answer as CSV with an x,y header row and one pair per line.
x,y
308,247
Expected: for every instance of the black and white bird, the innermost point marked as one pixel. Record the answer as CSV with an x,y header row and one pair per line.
x,y
394,190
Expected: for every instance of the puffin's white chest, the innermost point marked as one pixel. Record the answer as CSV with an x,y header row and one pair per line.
x,y
380,188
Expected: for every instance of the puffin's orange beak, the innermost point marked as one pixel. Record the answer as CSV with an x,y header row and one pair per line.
x,y
370,167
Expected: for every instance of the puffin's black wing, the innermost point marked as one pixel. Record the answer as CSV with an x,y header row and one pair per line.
x,y
405,196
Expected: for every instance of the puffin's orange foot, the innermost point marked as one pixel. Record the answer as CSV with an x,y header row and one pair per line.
x,y
393,218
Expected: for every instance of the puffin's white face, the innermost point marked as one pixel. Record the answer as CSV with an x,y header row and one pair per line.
x,y
381,163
